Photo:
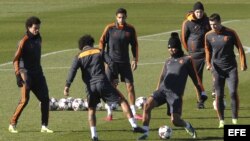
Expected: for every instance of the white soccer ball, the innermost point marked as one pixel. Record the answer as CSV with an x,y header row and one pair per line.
x,y
113,106
165,132
63,104
214,104
139,102
53,104
70,100
78,105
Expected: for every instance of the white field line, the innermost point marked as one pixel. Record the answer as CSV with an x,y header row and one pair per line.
x,y
247,50
139,38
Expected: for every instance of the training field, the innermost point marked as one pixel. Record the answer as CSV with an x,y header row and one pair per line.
x,y
63,22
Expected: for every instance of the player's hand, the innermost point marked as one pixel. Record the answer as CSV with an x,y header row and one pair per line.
x,y
66,91
19,80
133,65
209,67
244,68
115,82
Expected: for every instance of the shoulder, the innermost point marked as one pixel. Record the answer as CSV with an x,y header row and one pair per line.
x,y
130,26
187,58
190,16
88,52
229,30
111,25
167,60
23,40
210,33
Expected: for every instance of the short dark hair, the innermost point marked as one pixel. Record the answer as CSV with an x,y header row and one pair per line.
x,y
32,20
86,40
121,10
215,17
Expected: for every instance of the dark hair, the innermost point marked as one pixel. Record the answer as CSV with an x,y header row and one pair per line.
x,y
121,10
215,17
32,20
86,40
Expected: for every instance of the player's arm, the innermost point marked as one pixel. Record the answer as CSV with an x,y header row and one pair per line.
x,y
104,38
162,75
134,44
242,55
112,65
194,75
16,61
208,53
185,34
18,54
134,49
71,75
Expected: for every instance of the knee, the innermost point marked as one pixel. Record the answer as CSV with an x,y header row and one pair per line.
x,y
24,101
130,87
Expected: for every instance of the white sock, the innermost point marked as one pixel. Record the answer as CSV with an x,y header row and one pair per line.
x,y
132,107
203,93
43,126
93,131
109,111
146,128
187,125
132,122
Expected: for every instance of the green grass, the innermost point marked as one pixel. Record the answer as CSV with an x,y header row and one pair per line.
x,y
64,22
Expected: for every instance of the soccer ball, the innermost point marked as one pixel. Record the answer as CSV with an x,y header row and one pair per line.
x,y
214,104
63,104
70,100
139,102
53,104
113,106
78,105
165,132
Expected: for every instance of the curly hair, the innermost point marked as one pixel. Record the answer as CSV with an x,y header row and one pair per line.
x,y
86,40
32,20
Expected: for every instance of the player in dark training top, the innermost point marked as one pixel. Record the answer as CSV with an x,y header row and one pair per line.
x,y
91,62
220,58
170,89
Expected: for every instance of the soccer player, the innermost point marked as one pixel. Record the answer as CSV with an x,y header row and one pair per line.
x,y
117,37
91,62
220,58
194,28
29,74
170,89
